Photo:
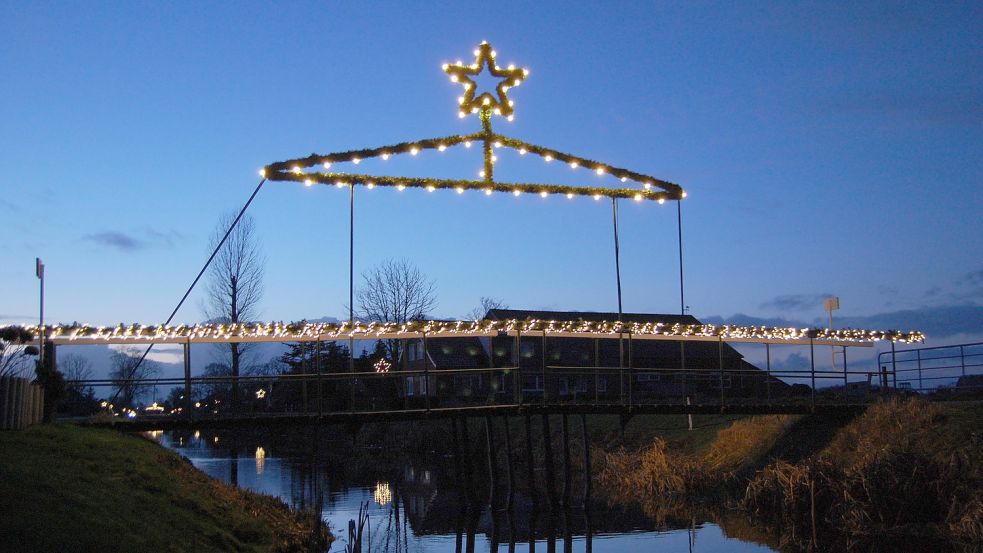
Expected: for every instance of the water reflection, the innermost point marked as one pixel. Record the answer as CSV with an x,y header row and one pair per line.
x,y
452,503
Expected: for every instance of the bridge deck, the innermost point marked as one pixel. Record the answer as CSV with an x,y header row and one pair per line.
x,y
228,420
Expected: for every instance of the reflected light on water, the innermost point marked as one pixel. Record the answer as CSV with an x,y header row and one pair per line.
x,y
260,460
382,494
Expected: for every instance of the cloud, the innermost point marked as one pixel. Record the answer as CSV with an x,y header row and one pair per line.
x,y
131,242
935,322
118,240
795,302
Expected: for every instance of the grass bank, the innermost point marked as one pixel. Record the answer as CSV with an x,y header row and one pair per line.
x,y
905,467
65,488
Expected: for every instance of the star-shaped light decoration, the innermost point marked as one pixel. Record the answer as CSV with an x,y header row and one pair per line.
x,y
511,76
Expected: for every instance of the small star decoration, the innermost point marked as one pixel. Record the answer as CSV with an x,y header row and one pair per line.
x,y
511,76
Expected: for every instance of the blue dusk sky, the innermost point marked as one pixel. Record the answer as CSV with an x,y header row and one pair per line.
x,y
827,148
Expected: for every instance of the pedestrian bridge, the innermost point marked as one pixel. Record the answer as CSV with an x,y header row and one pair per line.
x,y
693,370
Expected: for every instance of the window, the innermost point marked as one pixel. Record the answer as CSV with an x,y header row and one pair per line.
x,y
564,386
532,383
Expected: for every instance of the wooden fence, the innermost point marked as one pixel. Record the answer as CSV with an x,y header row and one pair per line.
x,y
21,403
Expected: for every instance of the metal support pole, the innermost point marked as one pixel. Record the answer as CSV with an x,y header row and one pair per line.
x,y
545,387
894,366
812,370
617,272
40,274
518,369
918,354
351,290
587,467
846,387
720,361
187,380
631,371
426,371
768,371
679,228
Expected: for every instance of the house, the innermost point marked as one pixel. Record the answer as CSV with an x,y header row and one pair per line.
x,y
578,369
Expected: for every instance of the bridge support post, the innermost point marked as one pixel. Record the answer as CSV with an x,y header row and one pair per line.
x,y
566,463
492,464
510,472
530,463
548,458
317,368
187,381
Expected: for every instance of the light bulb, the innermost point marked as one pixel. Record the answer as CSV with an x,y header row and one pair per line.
x,y
453,78
430,188
355,160
460,190
401,187
683,194
445,66
648,185
262,173
522,151
662,201
548,157
308,182
597,196
569,195
638,197
441,148
543,194
385,156
624,179
516,192
488,192
296,170
510,118
370,185
414,150
599,170
467,144
573,164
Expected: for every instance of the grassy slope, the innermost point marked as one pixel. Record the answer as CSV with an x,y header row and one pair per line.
x,y
64,488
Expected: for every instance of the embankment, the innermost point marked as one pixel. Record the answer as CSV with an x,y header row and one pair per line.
x,y
65,488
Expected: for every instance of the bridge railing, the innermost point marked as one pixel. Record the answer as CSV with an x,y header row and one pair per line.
x,y
312,394
956,369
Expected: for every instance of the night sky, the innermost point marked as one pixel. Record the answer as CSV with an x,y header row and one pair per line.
x,y
826,149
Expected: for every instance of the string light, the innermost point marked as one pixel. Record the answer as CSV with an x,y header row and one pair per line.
x,y
306,331
486,104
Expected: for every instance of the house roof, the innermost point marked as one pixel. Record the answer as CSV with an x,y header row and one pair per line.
x,y
706,350
521,314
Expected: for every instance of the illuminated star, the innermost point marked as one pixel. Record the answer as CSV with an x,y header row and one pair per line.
x,y
462,74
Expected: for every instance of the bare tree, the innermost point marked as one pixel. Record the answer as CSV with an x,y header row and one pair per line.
x,y
487,304
129,375
16,359
75,368
235,282
395,291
